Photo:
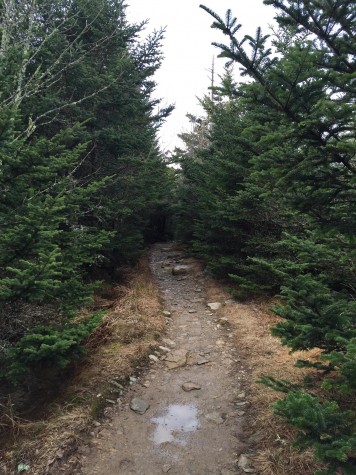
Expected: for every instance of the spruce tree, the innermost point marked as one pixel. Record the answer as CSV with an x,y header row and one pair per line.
x,y
78,145
301,165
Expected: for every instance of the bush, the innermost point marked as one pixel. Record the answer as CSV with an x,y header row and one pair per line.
x,y
324,426
48,347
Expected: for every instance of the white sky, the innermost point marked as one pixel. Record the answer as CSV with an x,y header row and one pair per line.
x,y
184,74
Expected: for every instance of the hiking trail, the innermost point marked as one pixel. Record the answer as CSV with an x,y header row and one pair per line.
x,y
184,415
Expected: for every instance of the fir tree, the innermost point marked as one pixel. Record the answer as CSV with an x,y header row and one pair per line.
x,y
298,163
78,150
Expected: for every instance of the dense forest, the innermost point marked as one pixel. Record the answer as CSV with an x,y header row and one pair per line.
x,y
82,179
264,193
266,196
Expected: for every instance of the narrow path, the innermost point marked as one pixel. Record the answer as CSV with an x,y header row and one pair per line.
x,y
180,432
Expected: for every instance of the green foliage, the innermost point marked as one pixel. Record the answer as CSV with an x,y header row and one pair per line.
x,y
345,363
47,347
81,173
315,316
268,177
323,425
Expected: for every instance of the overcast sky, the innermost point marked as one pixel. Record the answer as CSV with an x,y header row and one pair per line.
x,y
184,74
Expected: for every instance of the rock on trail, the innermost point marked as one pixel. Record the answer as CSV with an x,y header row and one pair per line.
x,y
183,416
176,359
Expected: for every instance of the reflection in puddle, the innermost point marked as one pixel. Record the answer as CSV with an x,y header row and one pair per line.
x,y
177,419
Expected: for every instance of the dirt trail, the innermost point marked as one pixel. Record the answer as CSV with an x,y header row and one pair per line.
x,y
182,432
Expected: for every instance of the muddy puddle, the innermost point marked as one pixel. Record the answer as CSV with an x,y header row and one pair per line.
x,y
176,422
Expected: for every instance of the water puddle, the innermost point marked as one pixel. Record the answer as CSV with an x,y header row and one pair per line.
x,y
177,420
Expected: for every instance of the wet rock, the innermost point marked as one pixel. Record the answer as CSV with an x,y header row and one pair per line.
x,y
139,405
189,386
176,359
166,313
181,270
244,464
214,305
215,417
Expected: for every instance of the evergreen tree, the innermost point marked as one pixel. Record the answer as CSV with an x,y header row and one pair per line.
x,y
78,152
286,154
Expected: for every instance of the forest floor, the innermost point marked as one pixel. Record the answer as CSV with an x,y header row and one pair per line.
x,y
197,408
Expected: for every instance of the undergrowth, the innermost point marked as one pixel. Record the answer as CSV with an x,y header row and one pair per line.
x,y
116,349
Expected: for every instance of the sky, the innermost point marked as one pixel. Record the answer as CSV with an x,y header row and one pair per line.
x,y
185,71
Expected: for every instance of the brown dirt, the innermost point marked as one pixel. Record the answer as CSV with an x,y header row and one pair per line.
x,y
228,351
206,425
263,354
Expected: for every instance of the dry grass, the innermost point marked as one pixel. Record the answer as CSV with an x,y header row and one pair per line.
x,y
117,349
263,354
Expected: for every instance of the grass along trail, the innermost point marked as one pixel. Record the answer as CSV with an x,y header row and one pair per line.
x,y
197,409
185,415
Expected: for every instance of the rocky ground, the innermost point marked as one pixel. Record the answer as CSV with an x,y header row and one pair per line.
x,y
185,415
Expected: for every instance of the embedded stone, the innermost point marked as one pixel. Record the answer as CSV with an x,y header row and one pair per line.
x,y
190,386
139,405
215,417
176,359
223,321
